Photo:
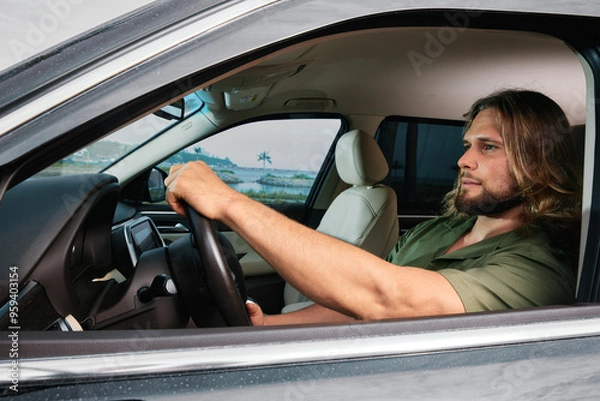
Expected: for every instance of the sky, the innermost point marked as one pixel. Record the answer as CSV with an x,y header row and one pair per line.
x,y
31,26
291,144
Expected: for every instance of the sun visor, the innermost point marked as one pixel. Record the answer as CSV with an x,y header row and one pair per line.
x,y
242,99
248,88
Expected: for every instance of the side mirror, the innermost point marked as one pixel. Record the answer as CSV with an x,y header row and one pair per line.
x,y
147,187
156,185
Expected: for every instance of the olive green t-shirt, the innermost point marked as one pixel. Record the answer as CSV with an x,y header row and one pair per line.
x,y
517,269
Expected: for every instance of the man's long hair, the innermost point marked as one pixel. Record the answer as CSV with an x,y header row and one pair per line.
x,y
540,153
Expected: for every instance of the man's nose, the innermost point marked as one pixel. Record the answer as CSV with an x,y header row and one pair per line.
x,y
467,160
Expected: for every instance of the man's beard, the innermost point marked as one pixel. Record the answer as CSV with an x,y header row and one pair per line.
x,y
487,204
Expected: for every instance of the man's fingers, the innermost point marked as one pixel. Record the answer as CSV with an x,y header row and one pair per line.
x,y
174,168
172,174
252,308
172,196
196,184
255,313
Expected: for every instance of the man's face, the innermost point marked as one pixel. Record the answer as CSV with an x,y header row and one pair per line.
x,y
486,185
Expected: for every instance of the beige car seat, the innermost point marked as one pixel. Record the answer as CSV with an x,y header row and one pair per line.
x,y
365,214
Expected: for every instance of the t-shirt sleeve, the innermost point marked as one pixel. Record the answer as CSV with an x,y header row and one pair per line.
x,y
526,278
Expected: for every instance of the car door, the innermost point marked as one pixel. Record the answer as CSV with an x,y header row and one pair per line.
x,y
481,356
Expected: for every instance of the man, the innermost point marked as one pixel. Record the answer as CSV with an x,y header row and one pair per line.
x,y
516,198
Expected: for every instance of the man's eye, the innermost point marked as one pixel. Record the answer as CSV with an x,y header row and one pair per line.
x,y
489,147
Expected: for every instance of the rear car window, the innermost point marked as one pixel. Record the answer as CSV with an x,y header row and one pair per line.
x,y
422,156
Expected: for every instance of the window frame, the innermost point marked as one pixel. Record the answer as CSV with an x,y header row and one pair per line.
x,y
409,214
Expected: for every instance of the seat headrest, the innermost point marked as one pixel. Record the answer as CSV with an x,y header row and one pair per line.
x,y
359,160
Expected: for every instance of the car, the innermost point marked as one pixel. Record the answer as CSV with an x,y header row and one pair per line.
x,y
108,293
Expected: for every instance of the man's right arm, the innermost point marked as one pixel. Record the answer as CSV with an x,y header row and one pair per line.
x,y
333,273
312,314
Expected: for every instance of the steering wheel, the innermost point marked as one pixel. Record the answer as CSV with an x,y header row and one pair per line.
x,y
221,270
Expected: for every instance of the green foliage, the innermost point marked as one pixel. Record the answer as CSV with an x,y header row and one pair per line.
x,y
298,180
275,197
184,157
303,177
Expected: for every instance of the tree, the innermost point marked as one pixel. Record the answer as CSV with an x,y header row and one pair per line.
x,y
264,157
198,151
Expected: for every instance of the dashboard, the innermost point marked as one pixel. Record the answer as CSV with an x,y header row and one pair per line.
x,y
132,238
84,256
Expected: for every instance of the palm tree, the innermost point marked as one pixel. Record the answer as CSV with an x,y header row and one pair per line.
x,y
264,157
198,151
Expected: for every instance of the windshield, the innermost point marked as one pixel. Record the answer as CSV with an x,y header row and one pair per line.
x,y
103,153
30,27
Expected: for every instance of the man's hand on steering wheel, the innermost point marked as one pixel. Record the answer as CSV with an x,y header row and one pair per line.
x,y
196,184
220,269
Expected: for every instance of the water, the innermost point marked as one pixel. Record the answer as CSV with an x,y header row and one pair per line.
x,y
250,176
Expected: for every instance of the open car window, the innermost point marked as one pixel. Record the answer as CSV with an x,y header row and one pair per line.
x,y
272,161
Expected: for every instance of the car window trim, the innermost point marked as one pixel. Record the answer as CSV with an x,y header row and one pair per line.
x,y
279,351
